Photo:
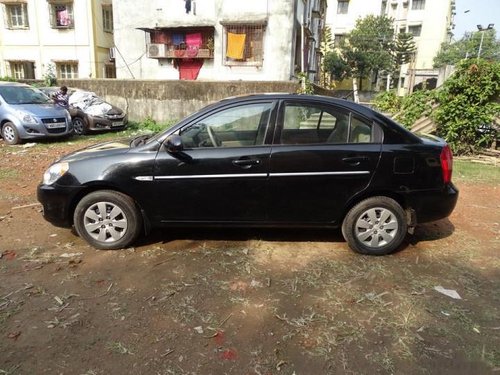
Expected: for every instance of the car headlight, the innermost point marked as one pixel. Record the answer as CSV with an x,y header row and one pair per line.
x,y
55,172
26,117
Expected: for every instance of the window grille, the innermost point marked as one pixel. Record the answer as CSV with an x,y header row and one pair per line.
x,y
244,44
342,7
17,16
107,19
415,30
418,4
61,15
67,70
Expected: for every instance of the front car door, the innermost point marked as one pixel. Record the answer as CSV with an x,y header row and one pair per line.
x,y
221,174
322,156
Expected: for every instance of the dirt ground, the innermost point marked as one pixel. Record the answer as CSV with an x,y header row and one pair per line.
x,y
243,301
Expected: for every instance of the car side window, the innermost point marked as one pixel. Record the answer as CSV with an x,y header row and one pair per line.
x,y
318,124
361,132
241,126
309,124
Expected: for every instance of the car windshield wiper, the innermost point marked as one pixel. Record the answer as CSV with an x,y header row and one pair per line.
x,y
140,140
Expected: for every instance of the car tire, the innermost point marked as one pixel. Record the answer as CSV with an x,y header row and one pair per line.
x,y
80,126
10,134
118,228
375,226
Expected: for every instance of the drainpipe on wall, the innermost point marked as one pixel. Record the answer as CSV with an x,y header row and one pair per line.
x,y
302,51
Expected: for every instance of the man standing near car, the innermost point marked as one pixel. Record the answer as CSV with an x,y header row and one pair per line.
x,y
61,97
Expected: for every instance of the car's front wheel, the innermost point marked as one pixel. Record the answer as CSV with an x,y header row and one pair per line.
x,y
80,125
375,226
107,220
10,134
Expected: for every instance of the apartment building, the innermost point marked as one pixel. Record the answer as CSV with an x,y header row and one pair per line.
x,y
430,22
218,39
66,38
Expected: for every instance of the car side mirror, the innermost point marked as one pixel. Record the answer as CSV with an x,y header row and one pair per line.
x,y
174,143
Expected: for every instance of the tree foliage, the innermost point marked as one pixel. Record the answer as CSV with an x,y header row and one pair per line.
x,y
469,101
468,47
467,104
368,47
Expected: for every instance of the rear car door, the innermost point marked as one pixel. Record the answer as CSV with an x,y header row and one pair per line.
x,y
221,175
322,156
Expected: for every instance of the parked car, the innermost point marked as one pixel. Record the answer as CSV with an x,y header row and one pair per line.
x,y
90,112
279,160
27,113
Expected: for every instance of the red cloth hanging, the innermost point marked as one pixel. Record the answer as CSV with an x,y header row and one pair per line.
x,y
189,69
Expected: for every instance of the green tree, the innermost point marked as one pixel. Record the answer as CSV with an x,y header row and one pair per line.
x,y
366,49
326,47
404,50
468,47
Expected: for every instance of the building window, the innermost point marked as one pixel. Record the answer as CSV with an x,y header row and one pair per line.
x,y
418,4
342,6
22,69
244,44
110,71
61,15
107,19
17,16
415,30
338,40
67,70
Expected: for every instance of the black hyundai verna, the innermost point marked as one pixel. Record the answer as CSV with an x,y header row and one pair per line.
x,y
261,160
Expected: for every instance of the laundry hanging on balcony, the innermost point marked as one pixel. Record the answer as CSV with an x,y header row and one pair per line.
x,y
235,46
189,68
193,44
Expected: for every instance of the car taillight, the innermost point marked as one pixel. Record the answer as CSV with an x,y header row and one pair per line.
x,y
446,163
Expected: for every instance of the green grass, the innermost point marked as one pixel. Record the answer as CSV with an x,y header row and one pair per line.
x,y
475,172
6,173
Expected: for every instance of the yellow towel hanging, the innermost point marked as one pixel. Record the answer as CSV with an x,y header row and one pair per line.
x,y
235,46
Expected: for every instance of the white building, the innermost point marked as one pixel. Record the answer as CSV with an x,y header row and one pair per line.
x,y
430,22
218,39
69,38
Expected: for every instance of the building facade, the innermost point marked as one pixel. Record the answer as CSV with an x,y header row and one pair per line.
x,y
430,22
270,40
62,38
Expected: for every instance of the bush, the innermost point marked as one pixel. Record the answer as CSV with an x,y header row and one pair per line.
x,y
387,101
469,102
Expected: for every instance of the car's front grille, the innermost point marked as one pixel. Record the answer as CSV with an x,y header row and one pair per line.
x,y
56,130
55,125
52,120
115,117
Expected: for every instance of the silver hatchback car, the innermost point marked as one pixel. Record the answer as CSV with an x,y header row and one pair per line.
x,y
27,113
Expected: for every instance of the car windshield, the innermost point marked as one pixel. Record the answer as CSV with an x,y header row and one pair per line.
x,y
23,95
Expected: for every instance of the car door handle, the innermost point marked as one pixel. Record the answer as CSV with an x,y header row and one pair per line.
x,y
355,160
246,163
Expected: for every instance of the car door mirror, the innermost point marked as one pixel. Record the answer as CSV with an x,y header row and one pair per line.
x,y
174,143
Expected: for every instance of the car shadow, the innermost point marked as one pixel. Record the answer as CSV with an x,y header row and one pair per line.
x,y
432,231
165,235
423,232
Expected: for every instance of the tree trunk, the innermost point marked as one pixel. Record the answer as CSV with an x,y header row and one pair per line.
x,y
355,89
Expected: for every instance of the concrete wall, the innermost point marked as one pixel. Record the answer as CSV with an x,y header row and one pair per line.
x,y
170,100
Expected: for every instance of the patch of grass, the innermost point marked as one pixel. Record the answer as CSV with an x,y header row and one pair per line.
x,y
6,173
118,347
475,172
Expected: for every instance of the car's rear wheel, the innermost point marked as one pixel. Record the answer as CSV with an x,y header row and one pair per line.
x,y
10,134
107,220
80,125
375,226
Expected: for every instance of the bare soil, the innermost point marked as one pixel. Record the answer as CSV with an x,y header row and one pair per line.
x,y
243,301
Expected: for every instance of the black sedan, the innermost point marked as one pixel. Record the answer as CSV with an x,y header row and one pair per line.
x,y
262,160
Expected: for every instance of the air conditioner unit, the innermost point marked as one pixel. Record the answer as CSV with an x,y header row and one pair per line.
x,y
112,53
156,50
